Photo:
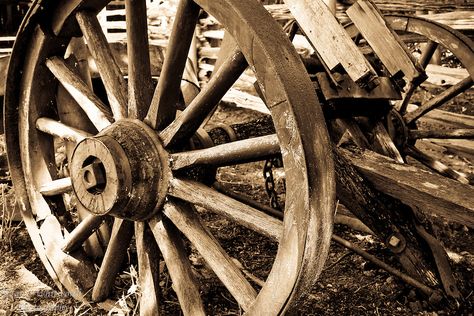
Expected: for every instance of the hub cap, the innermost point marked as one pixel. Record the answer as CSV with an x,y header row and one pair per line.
x,y
123,171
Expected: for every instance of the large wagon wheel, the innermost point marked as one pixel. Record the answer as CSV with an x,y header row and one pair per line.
x,y
415,130
126,157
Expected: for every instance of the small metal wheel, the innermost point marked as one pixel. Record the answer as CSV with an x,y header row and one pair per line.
x,y
419,125
105,179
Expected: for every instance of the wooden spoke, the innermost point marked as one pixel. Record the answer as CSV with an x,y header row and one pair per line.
x,y
148,270
424,59
98,112
384,142
199,194
179,267
241,151
113,79
248,200
192,117
140,86
122,233
60,130
436,165
427,53
82,232
186,220
467,133
56,187
167,94
439,100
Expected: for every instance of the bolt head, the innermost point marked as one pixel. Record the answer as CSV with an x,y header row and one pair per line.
x,y
394,241
93,175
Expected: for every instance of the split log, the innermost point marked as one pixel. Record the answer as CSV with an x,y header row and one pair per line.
x,y
428,192
386,217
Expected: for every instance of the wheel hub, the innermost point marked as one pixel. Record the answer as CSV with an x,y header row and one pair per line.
x,y
397,129
123,171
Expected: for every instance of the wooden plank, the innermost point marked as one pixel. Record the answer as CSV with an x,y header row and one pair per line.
x,y
330,39
430,193
3,73
441,76
384,41
444,118
458,20
245,100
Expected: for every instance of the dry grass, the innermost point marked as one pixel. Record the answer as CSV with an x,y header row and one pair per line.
x,y
8,226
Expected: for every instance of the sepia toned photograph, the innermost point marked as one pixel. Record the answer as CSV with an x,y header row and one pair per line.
x,y
237,157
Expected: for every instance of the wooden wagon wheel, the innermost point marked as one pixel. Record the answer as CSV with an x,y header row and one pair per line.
x,y
410,126
126,154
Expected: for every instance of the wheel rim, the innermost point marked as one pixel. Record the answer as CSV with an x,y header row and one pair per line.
x,y
34,113
411,128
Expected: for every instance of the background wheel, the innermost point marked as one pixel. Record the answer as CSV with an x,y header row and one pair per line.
x,y
421,126
98,177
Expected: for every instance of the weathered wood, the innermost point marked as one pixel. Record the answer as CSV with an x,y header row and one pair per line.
x,y
148,270
383,142
95,109
384,215
384,41
424,5
199,194
206,101
167,94
436,165
245,100
444,118
330,40
461,147
122,232
75,273
227,154
179,267
71,114
458,20
348,89
351,125
439,99
82,232
56,187
189,224
140,86
3,72
428,192
112,77
467,133
60,130
443,76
